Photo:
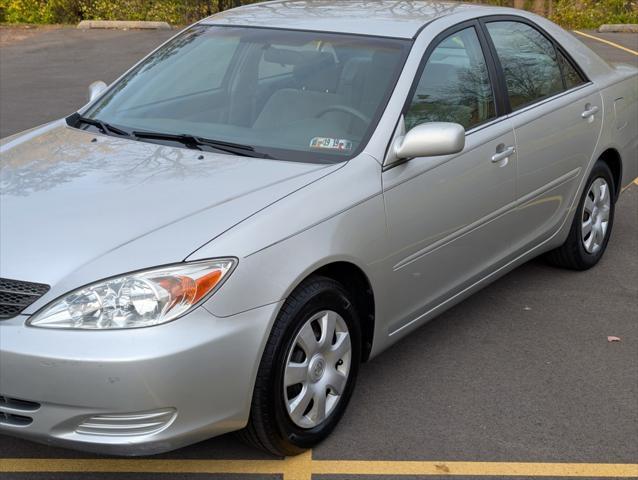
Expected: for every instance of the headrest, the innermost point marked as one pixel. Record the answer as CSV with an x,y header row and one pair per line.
x,y
313,70
319,74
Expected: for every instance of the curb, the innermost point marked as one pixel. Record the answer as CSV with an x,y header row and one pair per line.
x,y
122,25
619,28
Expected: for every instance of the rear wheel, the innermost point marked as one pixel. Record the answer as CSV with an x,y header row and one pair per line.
x,y
308,369
592,223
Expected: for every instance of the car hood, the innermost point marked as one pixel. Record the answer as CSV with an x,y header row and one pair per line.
x,y
76,207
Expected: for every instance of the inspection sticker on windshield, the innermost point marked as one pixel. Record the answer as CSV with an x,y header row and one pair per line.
x,y
325,143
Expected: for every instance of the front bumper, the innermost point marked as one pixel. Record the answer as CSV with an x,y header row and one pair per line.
x,y
131,392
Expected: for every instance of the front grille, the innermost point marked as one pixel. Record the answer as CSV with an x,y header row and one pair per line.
x,y
16,295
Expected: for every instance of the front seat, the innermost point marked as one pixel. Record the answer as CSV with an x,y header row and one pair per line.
x,y
317,79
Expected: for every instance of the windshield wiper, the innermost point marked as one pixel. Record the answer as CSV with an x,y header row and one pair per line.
x,y
102,126
192,141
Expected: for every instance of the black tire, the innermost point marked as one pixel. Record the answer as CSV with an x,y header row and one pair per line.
x,y
573,254
270,427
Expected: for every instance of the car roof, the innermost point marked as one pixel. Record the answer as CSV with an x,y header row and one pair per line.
x,y
386,18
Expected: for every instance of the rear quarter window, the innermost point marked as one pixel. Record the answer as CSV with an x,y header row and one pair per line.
x,y
570,74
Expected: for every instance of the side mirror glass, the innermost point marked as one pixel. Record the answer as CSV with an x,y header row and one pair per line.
x,y
96,89
430,139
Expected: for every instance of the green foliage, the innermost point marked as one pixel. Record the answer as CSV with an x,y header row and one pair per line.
x,y
63,11
578,13
177,12
172,11
24,11
568,13
593,13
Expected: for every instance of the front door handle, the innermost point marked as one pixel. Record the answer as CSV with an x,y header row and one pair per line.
x,y
505,153
590,111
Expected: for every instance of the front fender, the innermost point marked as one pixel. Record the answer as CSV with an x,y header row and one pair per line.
x,y
338,218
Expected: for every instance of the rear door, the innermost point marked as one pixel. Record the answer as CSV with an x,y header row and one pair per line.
x,y
557,118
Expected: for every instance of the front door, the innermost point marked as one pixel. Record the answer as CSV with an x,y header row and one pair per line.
x,y
446,214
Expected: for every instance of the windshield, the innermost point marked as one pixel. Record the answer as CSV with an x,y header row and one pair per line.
x,y
288,94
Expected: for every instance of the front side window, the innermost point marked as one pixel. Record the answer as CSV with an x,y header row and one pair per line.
x,y
289,94
455,84
529,62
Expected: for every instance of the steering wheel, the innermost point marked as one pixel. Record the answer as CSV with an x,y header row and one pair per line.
x,y
349,110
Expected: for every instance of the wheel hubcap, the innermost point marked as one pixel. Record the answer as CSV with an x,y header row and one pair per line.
x,y
317,369
595,221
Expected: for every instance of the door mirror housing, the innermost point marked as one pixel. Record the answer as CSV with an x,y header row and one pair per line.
x,y
430,139
96,89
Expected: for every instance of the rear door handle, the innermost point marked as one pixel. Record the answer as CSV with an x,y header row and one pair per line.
x,y
500,156
590,112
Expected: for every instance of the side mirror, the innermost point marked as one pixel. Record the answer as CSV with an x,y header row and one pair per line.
x,y
430,139
96,89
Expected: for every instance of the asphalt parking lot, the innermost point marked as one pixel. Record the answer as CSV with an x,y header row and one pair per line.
x,y
518,381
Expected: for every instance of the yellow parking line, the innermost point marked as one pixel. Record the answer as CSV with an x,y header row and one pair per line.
x,y
635,182
58,465
492,469
607,42
303,466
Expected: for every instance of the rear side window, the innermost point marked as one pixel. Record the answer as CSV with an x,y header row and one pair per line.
x,y
455,84
530,64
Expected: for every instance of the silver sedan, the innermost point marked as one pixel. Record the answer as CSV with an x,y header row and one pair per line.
x,y
217,240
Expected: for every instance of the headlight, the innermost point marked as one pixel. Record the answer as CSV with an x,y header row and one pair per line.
x,y
138,299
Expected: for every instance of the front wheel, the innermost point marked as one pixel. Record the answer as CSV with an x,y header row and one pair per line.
x,y
308,369
592,223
